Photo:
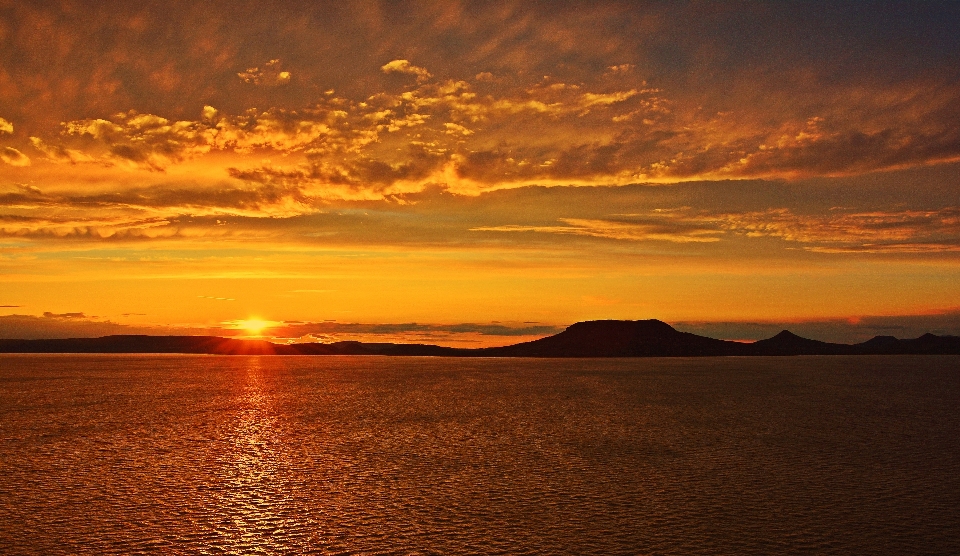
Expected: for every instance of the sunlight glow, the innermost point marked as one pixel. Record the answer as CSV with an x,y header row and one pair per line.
x,y
254,325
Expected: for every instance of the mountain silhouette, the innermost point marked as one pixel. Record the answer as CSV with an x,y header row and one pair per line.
x,y
788,343
599,338
614,338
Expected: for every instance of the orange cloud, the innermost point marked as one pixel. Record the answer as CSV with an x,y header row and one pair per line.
x,y
404,66
13,157
552,133
270,75
629,231
906,231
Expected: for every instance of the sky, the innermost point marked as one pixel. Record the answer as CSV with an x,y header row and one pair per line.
x,y
478,173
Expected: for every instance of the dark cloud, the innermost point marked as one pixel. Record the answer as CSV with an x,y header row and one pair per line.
x,y
296,329
74,325
49,315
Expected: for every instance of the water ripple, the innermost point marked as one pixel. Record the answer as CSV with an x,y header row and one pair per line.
x,y
327,455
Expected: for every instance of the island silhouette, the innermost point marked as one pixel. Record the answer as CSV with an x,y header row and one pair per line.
x,y
598,338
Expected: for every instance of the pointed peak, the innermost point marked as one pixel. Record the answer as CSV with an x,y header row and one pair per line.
x,y
785,334
881,340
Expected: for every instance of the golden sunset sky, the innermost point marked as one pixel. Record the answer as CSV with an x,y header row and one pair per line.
x,y
490,171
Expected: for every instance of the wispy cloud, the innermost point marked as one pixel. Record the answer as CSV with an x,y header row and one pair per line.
x,y
621,230
904,231
840,231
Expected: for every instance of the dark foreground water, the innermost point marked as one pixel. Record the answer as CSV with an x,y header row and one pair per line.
x,y
247,455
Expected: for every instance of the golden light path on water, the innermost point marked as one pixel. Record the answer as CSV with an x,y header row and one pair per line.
x,y
250,467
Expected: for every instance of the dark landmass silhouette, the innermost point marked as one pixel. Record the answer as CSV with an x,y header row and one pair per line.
x,y
600,338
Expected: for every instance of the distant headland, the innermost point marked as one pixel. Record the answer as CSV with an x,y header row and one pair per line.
x,y
599,338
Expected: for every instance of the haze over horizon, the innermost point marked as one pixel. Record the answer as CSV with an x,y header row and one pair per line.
x,y
469,174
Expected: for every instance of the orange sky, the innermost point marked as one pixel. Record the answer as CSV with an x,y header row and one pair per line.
x,y
490,172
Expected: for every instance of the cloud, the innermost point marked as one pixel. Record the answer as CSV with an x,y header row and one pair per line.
x,y
5,127
620,230
455,335
621,68
302,328
170,60
269,75
605,99
49,315
457,129
152,212
59,153
549,133
263,200
904,231
142,140
404,66
354,201
76,325
154,143
838,231
87,228
14,157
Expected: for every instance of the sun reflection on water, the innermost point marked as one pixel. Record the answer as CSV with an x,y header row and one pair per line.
x,y
253,493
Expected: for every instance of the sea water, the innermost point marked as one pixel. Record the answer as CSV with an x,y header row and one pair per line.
x,y
344,455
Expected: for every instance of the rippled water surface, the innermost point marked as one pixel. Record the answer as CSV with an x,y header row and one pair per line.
x,y
247,455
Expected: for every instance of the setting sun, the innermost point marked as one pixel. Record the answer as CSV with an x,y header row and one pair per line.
x,y
254,326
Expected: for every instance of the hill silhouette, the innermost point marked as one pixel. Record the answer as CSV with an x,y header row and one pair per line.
x,y
614,338
600,338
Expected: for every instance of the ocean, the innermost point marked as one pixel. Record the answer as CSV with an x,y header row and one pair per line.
x,y
120,454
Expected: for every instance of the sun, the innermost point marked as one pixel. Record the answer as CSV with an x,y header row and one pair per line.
x,y
254,325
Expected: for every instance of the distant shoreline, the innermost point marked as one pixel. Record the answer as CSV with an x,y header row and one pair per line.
x,y
602,338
